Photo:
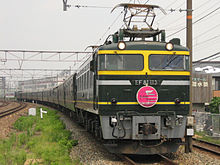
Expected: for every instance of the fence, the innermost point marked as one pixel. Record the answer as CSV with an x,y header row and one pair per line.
x,y
208,123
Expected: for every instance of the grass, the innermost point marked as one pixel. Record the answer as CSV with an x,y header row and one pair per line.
x,y
203,136
38,139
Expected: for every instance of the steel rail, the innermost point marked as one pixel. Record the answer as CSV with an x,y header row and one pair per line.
x,y
205,142
167,160
205,148
4,103
12,110
126,159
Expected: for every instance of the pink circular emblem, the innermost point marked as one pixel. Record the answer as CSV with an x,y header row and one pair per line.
x,y
147,96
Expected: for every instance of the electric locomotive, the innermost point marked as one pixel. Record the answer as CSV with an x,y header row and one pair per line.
x,y
141,95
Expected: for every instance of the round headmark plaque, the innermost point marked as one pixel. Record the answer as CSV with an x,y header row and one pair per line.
x,y
147,96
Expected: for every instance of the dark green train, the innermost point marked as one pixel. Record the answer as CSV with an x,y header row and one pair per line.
x,y
132,94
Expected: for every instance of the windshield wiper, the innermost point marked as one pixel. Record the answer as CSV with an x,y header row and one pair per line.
x,y
170,61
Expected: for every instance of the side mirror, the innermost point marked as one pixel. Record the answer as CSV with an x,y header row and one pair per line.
x,y
92,66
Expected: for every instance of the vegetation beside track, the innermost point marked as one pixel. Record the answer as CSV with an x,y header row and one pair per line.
x,y
205,137
43,141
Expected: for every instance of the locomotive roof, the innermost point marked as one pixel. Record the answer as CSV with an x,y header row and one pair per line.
x,y
143,45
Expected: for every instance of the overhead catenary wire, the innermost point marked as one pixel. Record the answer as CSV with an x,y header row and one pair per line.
x,y
88,6
214,58
146,1
211,29
207,47
203,42
170,12
206,8
211,56
207,31
181,26
195,21
110,27
180,18
173,2
206,15
202,4
101,7
138,1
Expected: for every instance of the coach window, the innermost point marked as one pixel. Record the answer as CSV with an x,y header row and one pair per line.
x,y
91,79
87,79
84,81
79,84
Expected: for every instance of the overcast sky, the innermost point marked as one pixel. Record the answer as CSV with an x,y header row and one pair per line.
x,y
43,25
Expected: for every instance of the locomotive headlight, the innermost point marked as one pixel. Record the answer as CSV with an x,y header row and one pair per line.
x,y
113,101
169,46
177,101
121,45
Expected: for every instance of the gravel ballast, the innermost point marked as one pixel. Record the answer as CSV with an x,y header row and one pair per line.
x,y
92,152
89,150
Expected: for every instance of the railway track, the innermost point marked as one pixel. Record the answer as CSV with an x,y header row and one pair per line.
x,y
163,160
4,103
128,160
207,146
166,160
9,111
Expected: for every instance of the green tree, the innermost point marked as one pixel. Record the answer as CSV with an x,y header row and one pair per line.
x,y
214,105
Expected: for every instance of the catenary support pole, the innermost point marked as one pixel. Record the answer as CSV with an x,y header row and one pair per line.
x,y
188,146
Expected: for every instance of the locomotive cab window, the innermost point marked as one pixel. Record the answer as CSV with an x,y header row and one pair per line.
x,y
119,62
169,62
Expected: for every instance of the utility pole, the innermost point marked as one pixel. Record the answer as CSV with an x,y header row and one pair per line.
x,y
65,5
188,139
